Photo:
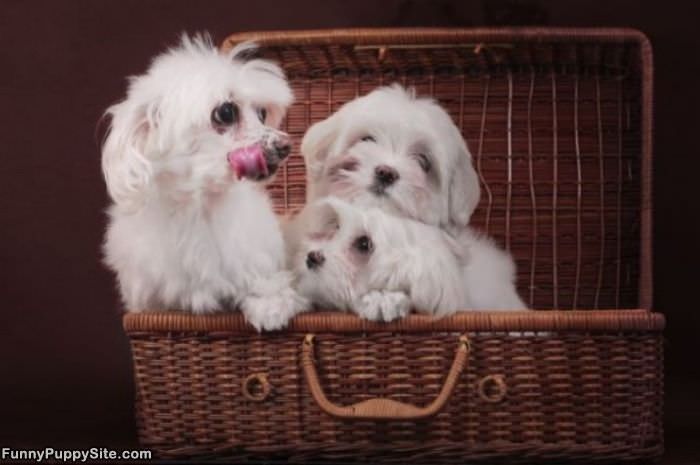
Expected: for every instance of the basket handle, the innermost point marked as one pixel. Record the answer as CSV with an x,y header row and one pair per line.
x,y
381,408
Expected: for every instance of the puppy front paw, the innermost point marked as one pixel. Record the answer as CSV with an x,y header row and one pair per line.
x,y
273,312
383,306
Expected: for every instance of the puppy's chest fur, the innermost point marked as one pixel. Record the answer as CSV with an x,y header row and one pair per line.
x,y
163,252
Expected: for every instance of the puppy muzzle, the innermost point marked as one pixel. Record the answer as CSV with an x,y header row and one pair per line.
x,y
384,177
276,150
314,260
261,160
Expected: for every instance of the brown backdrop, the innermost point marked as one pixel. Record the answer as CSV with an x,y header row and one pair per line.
x,y
64,370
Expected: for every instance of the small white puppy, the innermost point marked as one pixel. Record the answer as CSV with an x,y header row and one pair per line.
x,y
185,161
377,265
397,152
381,266
405,156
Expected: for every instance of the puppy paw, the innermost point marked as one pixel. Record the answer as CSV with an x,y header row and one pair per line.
x,y
396,305
383,306
273,312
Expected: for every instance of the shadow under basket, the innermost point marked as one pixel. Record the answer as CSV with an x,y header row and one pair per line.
x,y
559,125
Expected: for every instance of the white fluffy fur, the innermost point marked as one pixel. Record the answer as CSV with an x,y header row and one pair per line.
x,y
411,265
184,232
405,129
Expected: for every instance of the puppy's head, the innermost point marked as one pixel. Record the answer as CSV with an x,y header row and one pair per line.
x,y
397,152
196,121
341,250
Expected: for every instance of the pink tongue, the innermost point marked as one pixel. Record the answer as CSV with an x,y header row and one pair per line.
x,y
248,162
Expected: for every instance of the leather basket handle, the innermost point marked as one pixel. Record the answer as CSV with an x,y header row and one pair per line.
x,y
381,408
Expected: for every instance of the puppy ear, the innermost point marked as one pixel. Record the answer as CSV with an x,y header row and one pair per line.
x,y
126,170
464,188
457,249
329,213
316,144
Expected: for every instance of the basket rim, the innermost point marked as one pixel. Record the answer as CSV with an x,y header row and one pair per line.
x,y
388,36
337,322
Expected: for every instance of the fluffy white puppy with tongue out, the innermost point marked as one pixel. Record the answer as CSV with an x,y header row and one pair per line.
x,y
185,161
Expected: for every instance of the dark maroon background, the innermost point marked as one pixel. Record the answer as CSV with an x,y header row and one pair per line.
x,y
65,370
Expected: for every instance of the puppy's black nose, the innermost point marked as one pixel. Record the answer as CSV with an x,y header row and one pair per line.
x,y
314,259
386,175
282,147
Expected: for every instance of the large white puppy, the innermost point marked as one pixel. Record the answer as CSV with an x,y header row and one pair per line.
x,y
405,156
185,161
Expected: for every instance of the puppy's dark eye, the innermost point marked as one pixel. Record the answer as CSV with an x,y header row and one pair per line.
x,y
368,138
262,114
424,162
363,244
225,114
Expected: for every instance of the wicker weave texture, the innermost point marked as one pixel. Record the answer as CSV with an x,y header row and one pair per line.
x,y
579,395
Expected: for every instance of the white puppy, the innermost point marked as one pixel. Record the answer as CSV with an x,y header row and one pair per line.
x,y
380,265
377,265
185,161
405,156
400,153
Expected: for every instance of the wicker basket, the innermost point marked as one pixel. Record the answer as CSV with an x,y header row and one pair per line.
x,y
559,124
